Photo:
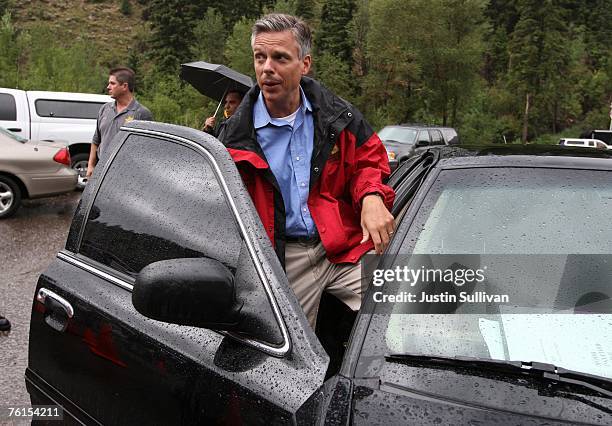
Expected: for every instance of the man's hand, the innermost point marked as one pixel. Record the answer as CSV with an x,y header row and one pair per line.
x,y
93,157
376,222
210,123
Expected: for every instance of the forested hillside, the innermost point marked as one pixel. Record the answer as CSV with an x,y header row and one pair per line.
x,y
519,69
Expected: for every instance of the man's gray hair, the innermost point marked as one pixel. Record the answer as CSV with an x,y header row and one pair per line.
x,y
278,22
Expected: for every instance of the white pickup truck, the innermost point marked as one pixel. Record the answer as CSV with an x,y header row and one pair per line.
x,y
70,117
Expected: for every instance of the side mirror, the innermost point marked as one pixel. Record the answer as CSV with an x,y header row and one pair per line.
x,y
197,292
422,143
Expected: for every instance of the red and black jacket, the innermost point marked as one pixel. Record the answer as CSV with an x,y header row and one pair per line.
x,y
348,162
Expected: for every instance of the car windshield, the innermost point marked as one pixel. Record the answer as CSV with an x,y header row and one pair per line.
x,y
540,240
12,135
403,135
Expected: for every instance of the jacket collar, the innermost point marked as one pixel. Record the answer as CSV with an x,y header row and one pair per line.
x,y
329,116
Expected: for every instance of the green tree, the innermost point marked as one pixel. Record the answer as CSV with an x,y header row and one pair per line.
x,y
172,23
235,10
5,6
126,7
51,66
538,56
283,6
238,50
598,38
335,74
502,17
209,37
450,53
389,88
333,46
10,49
333,33
427,67
305,9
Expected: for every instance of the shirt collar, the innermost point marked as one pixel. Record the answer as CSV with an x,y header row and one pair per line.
x,y
261,116
131,107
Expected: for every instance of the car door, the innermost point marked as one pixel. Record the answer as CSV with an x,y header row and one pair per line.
x,y
436,137
422,141
66,119
167,192
14,114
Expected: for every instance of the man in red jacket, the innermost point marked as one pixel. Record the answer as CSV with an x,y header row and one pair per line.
x,y
313,167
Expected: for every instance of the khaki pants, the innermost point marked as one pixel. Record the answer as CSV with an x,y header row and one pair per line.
x,y
310,274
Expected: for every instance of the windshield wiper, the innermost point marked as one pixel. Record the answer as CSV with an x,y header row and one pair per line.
x,y
599,384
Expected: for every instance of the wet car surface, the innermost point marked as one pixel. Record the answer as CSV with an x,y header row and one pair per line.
x,y
31,169
30,240
168,303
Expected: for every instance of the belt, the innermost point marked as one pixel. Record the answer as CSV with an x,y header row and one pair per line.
x,y
303,240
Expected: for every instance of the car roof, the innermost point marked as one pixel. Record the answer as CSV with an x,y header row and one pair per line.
x,y
580,140
523,156
419,126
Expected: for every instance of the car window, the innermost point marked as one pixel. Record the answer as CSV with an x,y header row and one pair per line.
x,y
450,135
518,228
159,201
67,109
423,137
601,145
398,134
8,107
591,143
478,211
436,137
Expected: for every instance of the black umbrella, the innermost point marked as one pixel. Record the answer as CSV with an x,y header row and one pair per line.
x,y
214,80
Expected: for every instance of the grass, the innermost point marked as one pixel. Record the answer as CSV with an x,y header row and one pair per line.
x,y
100,22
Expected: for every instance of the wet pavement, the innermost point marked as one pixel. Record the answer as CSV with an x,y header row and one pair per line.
x,y
28,242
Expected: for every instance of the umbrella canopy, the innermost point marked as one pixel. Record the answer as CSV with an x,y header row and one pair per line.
x,y
214,80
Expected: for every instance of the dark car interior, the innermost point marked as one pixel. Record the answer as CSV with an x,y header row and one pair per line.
x,y
334,324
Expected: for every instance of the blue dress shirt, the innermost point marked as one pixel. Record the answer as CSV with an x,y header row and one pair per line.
x,y
288,151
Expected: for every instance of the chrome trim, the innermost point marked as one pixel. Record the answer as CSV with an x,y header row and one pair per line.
x,y
95,271
278,351
43,293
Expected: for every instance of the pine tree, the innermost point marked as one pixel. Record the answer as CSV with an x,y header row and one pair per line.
x,y
333,33
172,23
126,7
334,47
209,37
305,9
538,56
5,6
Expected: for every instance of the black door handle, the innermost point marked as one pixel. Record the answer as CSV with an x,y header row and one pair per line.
x,y
57,309
14,130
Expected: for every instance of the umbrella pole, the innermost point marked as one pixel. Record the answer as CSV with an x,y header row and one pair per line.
x,y
221,101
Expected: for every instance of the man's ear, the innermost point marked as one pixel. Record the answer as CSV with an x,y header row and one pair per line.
x,y
306,63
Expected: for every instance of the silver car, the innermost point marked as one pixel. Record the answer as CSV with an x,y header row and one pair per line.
x,y
32,169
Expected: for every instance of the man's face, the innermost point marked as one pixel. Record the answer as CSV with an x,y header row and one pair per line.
x,y
116,89
232,100
278,67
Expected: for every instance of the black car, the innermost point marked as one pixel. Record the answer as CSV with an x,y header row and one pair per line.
x,y
405,140
168,304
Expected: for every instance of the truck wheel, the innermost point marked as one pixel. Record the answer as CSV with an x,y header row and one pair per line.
x,y
79,164
10,197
